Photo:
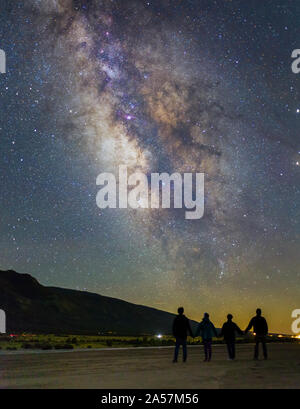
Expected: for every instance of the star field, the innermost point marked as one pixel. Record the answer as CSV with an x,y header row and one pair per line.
x,y
160,86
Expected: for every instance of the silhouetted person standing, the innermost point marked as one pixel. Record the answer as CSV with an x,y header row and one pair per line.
x,y
228,331
207,330
260,328
181,328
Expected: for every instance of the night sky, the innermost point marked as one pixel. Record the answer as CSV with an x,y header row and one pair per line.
x,y
160,86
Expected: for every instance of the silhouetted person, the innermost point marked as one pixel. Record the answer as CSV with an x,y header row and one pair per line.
x,y
260,328
207,330
181,328
228,331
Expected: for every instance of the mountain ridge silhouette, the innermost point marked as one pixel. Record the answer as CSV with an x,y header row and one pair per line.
x,y
33,307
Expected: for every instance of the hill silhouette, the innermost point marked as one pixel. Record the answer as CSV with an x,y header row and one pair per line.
x,y
32,307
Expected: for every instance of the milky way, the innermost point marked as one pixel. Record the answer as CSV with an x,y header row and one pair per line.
x,y
160,86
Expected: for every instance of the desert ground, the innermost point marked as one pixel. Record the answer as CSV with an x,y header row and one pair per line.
x,y
150,368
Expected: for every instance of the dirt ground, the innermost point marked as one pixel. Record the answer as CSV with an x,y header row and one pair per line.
x,y
151,368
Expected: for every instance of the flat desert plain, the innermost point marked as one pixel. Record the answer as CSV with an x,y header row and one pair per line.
x,y
151,368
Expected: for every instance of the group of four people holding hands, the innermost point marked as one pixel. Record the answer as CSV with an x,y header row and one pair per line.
x,y
207,330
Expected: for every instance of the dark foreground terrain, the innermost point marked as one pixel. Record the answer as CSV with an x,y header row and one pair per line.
x,y
150,368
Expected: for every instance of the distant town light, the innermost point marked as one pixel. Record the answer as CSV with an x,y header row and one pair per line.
x,y
159,336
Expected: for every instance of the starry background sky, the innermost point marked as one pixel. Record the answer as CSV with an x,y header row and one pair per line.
x,y
168,85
